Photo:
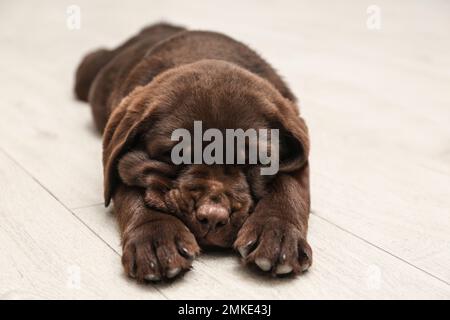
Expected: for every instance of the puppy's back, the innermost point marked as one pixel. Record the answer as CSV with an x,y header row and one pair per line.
x,y
162,47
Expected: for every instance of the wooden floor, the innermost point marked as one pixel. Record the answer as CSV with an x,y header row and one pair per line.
x,y
377,103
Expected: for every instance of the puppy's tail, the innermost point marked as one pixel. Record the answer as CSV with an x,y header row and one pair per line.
x,y
88,69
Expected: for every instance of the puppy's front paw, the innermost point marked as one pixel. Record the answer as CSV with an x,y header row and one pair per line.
x,y
274,245
158,250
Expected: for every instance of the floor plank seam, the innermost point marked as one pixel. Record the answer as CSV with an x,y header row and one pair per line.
x,y
69,210
379,248
313,212
53,195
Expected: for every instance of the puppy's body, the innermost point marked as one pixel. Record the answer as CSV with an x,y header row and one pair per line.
x,y
166,78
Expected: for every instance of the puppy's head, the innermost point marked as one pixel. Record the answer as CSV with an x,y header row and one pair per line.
x,y
213,200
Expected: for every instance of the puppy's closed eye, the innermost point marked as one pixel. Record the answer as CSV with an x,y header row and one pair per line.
x,y
196,188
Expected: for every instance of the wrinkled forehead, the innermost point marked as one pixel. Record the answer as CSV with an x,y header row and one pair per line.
x,y
202,117
232,113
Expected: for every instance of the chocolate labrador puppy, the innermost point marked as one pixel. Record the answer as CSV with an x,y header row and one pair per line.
x,y
167,78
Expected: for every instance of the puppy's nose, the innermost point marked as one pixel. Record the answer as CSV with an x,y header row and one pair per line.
x,y
214,216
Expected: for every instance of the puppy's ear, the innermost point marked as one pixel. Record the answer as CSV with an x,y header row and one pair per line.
x,y
137,169
127,121
294,144
293,137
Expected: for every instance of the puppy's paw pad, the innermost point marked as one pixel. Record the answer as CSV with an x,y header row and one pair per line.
x,y
283,269
173,272
264,264
152,277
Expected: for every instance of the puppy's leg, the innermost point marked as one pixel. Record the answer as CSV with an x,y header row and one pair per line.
x,y
155,245
274,236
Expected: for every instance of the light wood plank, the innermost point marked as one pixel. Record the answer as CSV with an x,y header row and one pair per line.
x,y
49,254
378,114
344,268
389,201
52,136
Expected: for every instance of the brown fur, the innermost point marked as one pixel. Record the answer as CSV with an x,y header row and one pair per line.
x,y
163,79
